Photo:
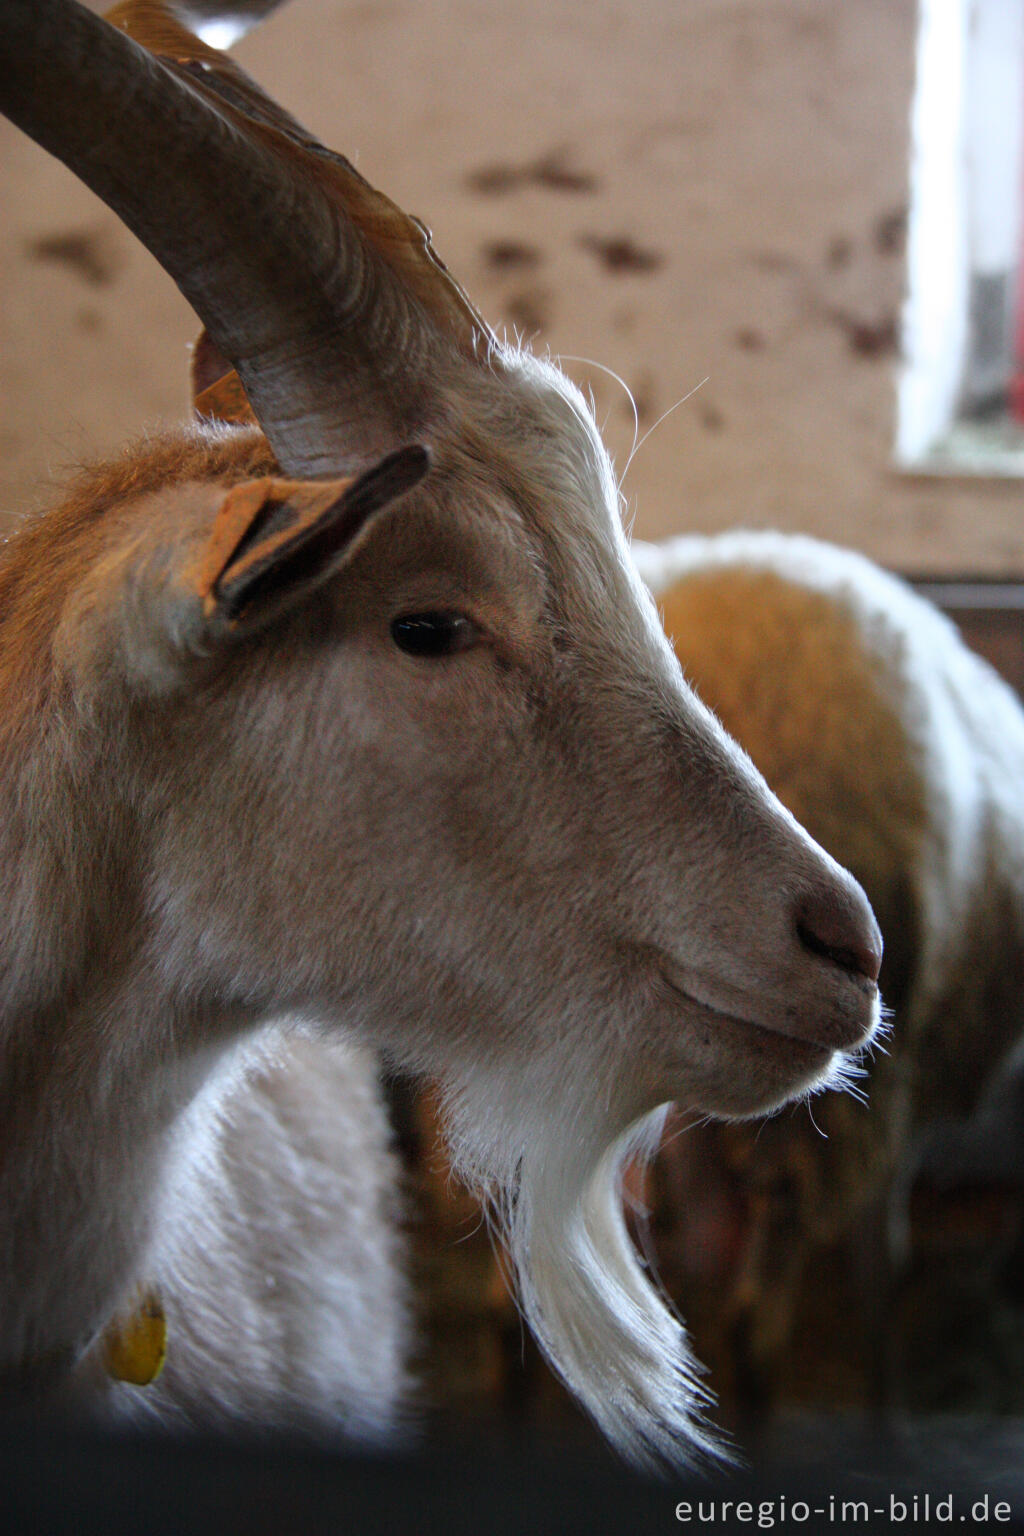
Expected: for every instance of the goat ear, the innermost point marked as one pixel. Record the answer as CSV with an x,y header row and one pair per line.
x,y
274,540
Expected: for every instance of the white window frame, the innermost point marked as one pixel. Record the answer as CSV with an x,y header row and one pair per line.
x,y
964,247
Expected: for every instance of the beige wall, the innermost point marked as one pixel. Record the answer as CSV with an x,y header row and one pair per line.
x,y
678,189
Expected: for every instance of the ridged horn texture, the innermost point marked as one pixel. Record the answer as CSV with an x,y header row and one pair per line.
x,y
326,298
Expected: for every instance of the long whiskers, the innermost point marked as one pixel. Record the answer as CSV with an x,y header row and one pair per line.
x,y
663,417
638,441
590,362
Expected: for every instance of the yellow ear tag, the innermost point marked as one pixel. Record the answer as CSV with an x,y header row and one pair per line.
x,y
135,1343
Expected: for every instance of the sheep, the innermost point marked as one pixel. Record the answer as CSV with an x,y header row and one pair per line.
x,y
353,731
902,752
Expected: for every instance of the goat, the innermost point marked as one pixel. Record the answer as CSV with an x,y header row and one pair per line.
x,y
353,731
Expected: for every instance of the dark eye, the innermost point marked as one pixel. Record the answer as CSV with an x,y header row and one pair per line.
x,y
433,634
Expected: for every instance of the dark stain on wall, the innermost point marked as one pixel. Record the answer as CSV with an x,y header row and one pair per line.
x,y
644,398
890,232
620,254
494,180
839,253
511,255
86,252
554,171
868,338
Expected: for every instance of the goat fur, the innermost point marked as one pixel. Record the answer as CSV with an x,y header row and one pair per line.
x,y
248,835
175,878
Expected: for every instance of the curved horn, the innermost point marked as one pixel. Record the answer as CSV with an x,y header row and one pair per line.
x,y
325,297
399,239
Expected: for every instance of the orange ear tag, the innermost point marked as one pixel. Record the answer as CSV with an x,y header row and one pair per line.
x,y
225,400
135,1342
244,539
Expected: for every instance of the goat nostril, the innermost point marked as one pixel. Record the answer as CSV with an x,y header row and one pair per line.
x,y
848,936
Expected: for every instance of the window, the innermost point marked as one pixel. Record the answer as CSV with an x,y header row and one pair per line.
x,y
961,397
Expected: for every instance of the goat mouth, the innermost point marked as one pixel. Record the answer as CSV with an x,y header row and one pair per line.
x,y
734,1067
805,1060
842,1032
731,1052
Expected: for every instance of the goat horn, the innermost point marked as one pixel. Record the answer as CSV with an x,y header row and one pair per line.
x,y
400,239
326,298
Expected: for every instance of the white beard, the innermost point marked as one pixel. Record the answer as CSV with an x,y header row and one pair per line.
x,y
609,1333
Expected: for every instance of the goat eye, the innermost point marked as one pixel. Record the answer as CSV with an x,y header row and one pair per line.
x,y
433,634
